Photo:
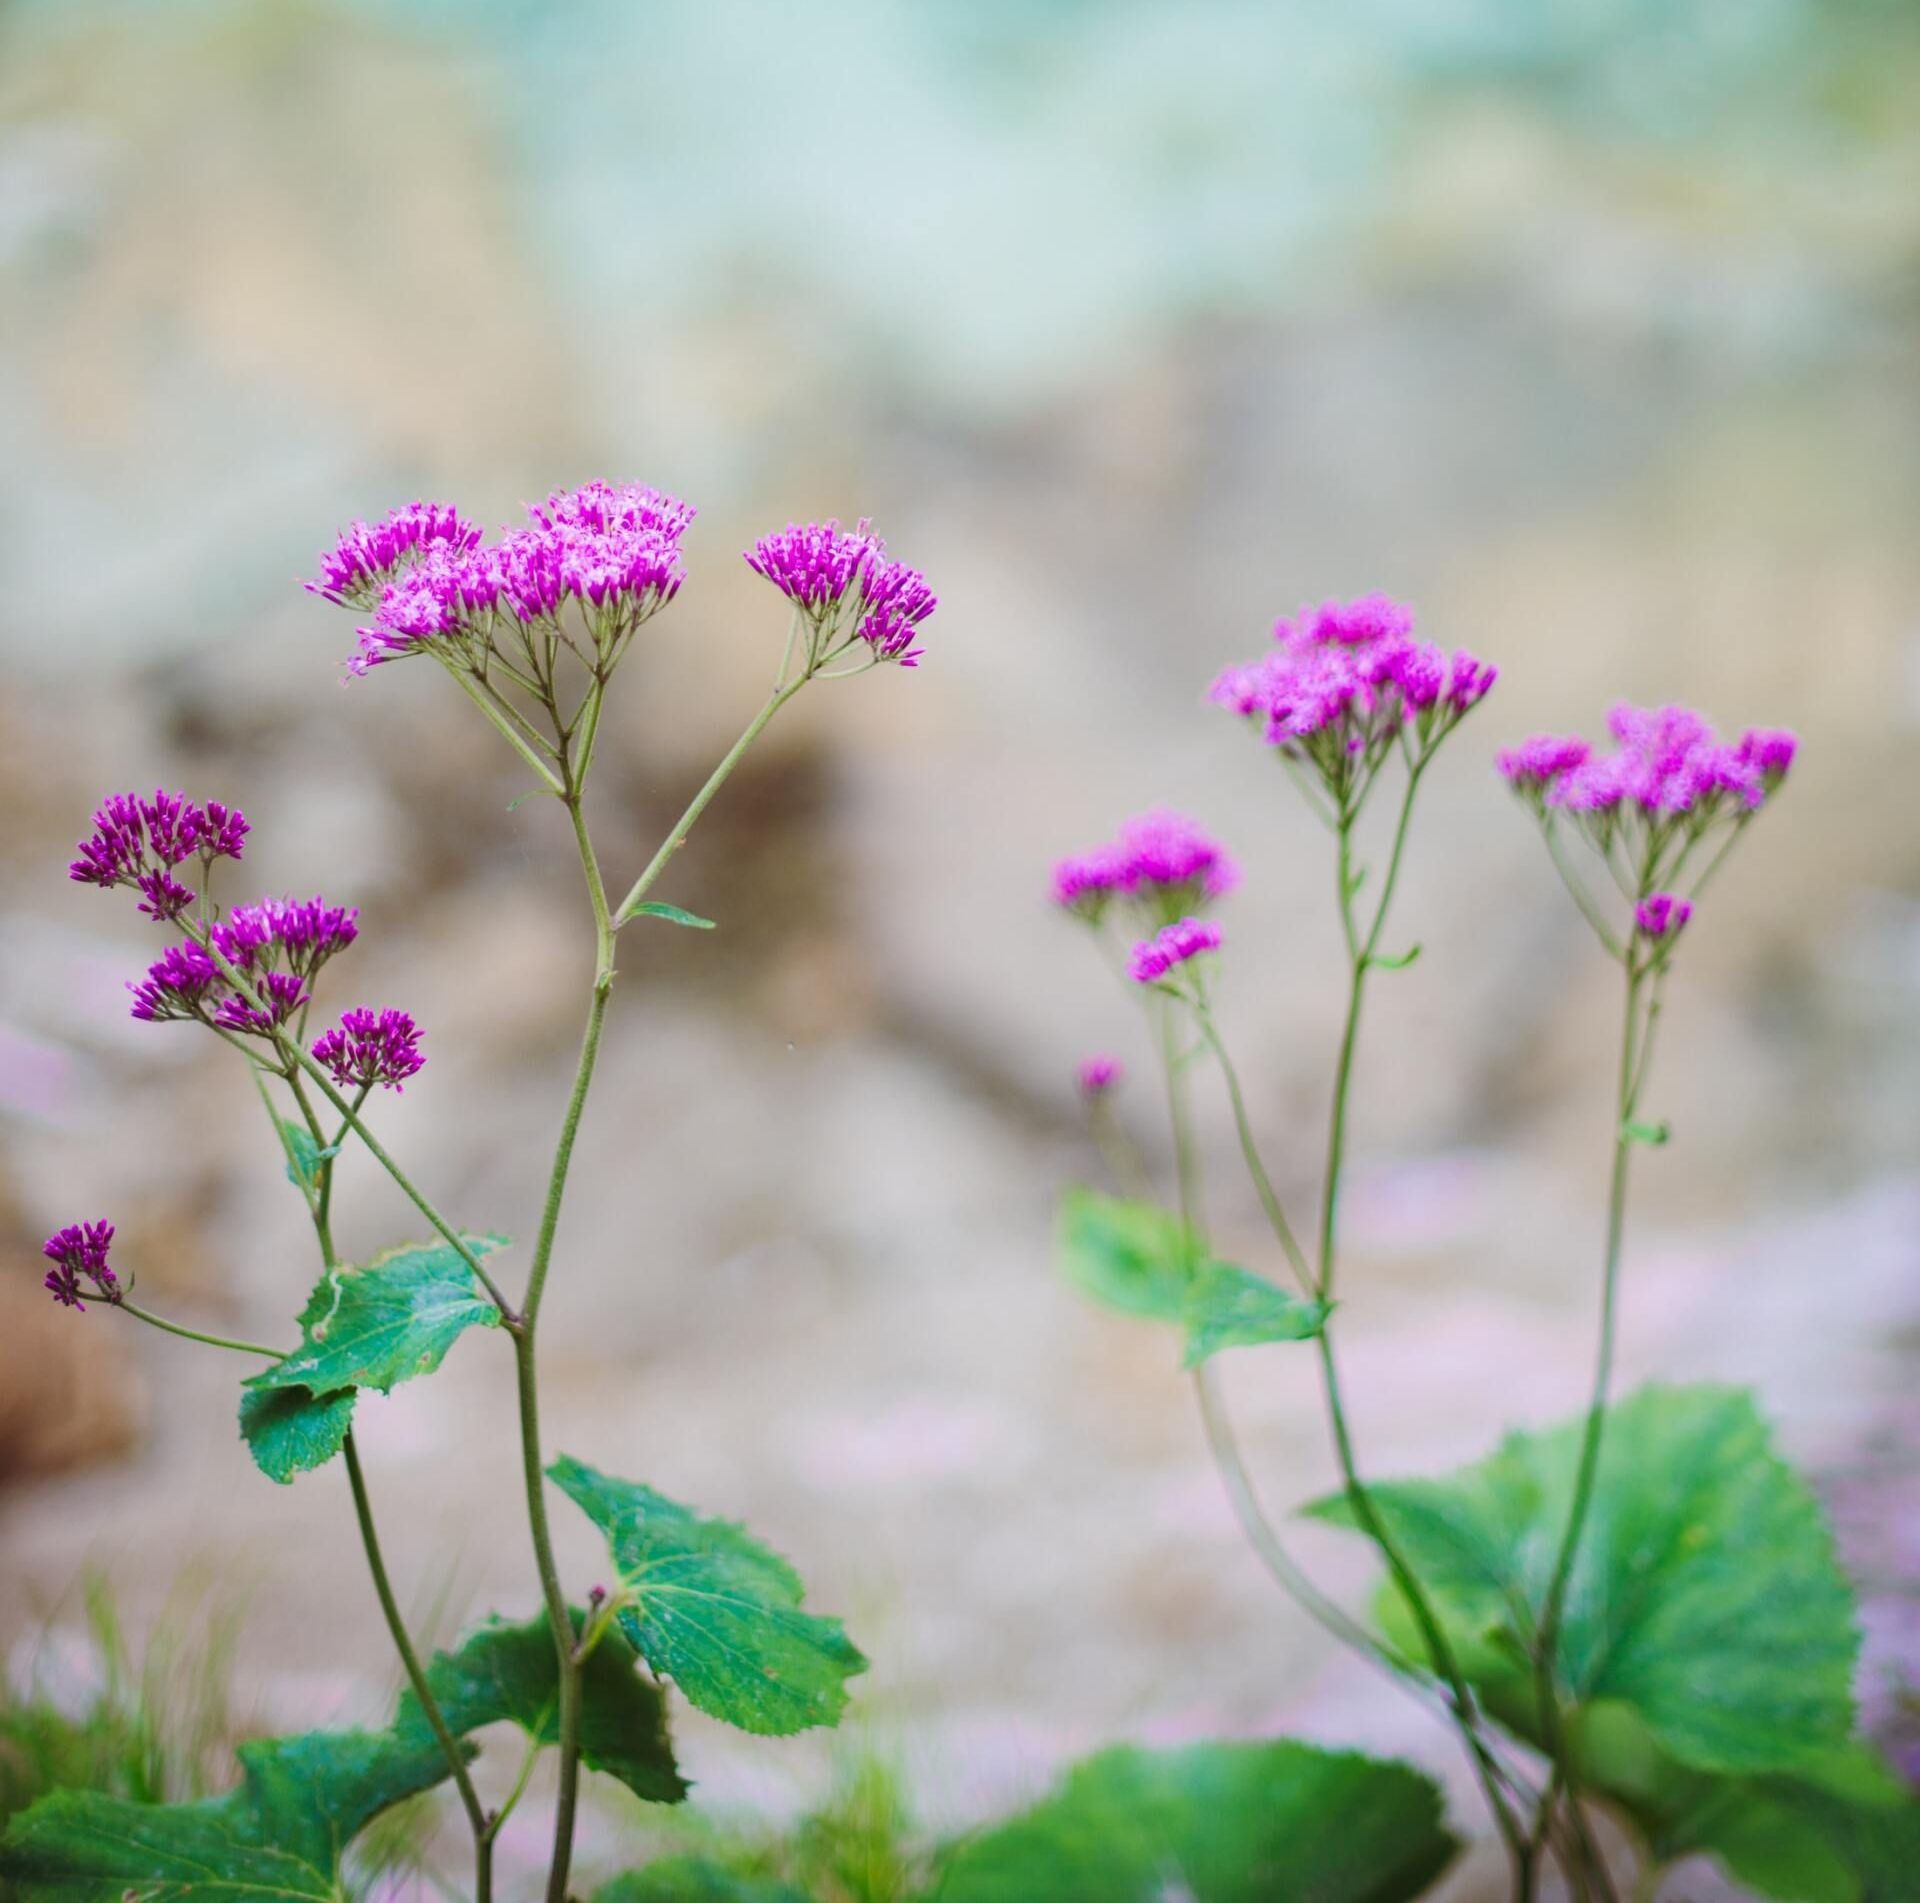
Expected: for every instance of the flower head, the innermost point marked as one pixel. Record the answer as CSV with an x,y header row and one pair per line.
x,y
1161,861
364,558
1344,680
177,985
366,1048
137,842
1661,915
277,945
1098,1075
1536,762
1171,947
79,1254
846,588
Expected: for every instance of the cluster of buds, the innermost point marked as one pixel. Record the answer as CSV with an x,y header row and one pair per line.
x,y
371,1047
1647,807
1152,881
80,1267
845,588
142,842
1347,682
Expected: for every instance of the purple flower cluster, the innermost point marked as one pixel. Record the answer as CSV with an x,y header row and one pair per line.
x,y
1161,861
846,588
137,842
1661,915
279,944
368,1048
1667,766
79,1253
438,587
365,558
1172,946
1098,1075
1346,679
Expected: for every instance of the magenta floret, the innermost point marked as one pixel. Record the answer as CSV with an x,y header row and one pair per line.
x,y
368,1048
79,1253
1172,946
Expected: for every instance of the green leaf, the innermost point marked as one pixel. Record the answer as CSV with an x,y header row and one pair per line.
x,y
1654,1135
694,1880
1227,1307
278,1838
396,1318
293,1430
1216,1823
652,908
1843,1829
304,1155
1706,1597
715,1611
1131,1256
1394,961
502,1671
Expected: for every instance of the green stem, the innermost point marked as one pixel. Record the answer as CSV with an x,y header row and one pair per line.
x,y
498,716
417,1678
698,805
193,1334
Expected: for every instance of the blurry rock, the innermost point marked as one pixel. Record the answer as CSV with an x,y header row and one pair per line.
x,y
68,1397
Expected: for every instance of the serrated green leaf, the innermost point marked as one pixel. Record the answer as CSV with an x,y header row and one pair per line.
x,y
715,1611
509,1672
1842,1829
694,1880
1228,1307
277,1838
1706,1598
291,1431
1131,1256
1214,1823
396,1318
653,908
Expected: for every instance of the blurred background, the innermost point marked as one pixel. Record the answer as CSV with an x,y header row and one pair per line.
x,y
1592,330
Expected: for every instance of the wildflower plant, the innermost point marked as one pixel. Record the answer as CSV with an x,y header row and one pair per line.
x,y
532,627
1638,1613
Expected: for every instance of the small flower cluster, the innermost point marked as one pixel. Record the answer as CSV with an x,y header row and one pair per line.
x,y
1345,682
1161,866
1155,960
1662,916
1098,1075
846,588
138,842
368,1048
79,1256
365,559
437,587
249,972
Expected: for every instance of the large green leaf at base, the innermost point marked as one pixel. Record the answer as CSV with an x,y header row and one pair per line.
x,y
396,1318
291,1431
501,1671
1217,1823
715,1611
278,1838
1706,1599
694,1880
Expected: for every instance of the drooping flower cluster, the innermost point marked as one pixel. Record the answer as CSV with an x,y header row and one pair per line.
x,y
611,554
846,588
368,1048
1344,682
365,559
138,842
1153,960
80,1267
1646,807
1160,867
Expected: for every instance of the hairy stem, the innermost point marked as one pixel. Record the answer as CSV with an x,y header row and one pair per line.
x,y
193,1334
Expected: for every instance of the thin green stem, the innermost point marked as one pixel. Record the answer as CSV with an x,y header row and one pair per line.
x,y
507,727
1577,890
416,1676
194,1334
698,805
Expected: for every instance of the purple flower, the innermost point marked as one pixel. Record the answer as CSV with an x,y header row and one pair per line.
x,y
282,993
278,944
365,1049
298,934
80,1250
1098,1075
1769,751
1173,945
1362,623
1161,859
1535,763
353,570
176,986
1661,915
138,842
846,586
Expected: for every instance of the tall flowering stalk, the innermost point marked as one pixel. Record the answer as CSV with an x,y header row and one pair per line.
x,y
531,627
1356,708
